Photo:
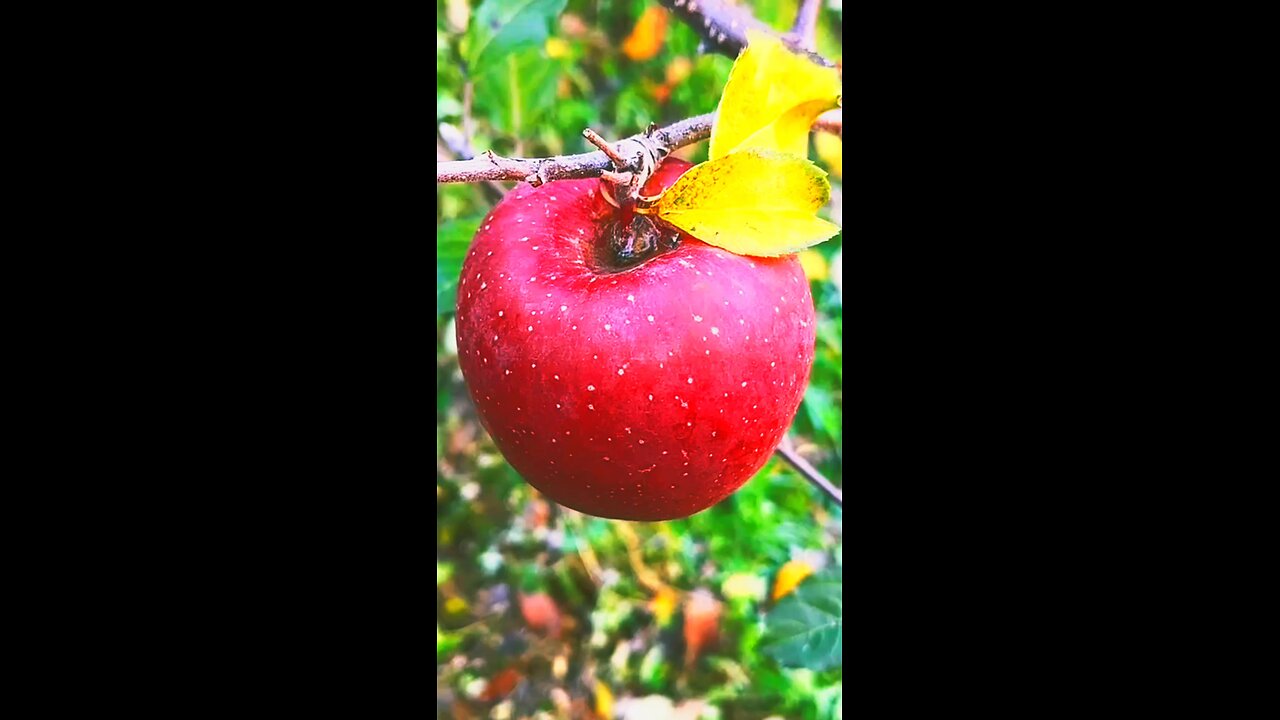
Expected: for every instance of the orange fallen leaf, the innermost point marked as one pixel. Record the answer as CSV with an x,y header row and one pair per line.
x,y
541,613
501,685
701,624
647,36
789,577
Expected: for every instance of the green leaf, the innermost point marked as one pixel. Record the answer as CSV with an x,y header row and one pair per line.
x,y
518,90
501,27
452,240
821,409
806,628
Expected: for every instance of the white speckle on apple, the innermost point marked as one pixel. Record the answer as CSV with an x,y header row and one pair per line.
x,y
580,231
495,338
773,364
697,318
530,328
651,399
557,405
508,372
535,247
641,442
741,321
592,388
490,253
631,298
524,239
533,365
553,198
620,371
690,381
499,313
519,220
484,285
775,309
563,308
486,227
608,327
591,407
575,327
650,318
715,330
744,383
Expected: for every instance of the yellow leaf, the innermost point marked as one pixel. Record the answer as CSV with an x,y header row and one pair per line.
x,y
647,36
663,605
557,48
789,577
829,148
815,266
753,202
772,98
604,701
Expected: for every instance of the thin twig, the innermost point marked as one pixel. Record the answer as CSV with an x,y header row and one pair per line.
x,y
594,138
468,125
586,165
450,144
810,473
806,26
831,121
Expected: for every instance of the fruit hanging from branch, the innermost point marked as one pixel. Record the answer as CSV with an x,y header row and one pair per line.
x,y
641,360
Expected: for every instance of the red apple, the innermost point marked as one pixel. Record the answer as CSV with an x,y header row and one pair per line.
x,y
645,393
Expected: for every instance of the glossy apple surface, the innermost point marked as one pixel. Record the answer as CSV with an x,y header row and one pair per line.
x,y
649,393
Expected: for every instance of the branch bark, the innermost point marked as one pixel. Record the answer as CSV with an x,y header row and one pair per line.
x,y
724,26
536,171
787,452
831,121
805,28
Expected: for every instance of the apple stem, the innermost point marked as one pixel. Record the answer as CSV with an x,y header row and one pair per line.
x,y
787,452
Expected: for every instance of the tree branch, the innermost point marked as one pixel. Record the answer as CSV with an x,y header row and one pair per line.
x,y
787,452
831,121
536,171
724,26
805,28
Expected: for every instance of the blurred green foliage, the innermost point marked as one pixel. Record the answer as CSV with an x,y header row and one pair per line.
x,y
639,614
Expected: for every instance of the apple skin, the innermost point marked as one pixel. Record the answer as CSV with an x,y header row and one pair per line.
x,y
646,394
